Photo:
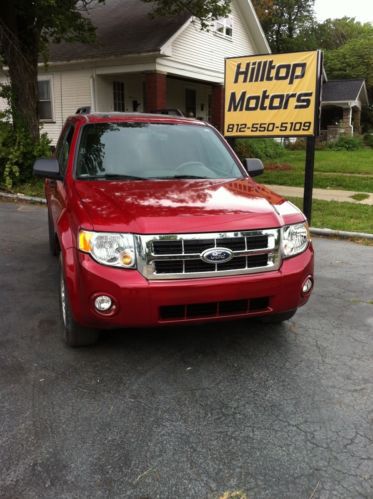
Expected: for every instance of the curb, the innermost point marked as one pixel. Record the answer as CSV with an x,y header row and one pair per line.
x,y
23,197
340,233
314,230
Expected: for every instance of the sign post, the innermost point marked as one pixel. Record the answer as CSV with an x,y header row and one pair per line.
x,y
275,96
308,178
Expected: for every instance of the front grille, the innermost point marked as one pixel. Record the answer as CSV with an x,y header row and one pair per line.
x,y
197,246
213,309
176,266
167,247
178,256
193,246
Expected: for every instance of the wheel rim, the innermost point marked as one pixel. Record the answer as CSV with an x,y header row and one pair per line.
x,y
63,299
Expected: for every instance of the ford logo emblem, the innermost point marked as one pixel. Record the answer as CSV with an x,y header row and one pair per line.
x,y
217,255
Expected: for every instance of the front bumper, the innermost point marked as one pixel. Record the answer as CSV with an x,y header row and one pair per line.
x,y
139,302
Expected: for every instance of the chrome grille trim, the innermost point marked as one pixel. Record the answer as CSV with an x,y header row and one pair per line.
x,y
146,256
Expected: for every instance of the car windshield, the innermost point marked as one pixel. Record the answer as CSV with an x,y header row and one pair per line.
x,y
136,151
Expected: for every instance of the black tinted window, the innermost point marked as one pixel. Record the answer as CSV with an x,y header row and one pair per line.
x,y
63,149
153,151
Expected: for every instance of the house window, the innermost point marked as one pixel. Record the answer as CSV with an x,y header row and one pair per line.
x,y
224,26
45,100
118,96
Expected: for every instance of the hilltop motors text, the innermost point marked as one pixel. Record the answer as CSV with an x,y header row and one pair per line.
x,y
262,71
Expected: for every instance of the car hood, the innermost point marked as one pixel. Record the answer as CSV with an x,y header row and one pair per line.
x,y
182,206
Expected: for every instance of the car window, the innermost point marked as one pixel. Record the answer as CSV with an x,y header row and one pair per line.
x,y
63,149
152,150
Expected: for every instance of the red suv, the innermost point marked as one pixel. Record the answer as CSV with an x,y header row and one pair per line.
x,y
158,222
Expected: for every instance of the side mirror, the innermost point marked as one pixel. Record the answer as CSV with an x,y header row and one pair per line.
x,y
253,166
47,168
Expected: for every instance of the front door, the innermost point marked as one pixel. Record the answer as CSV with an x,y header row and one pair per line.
x,y
190,103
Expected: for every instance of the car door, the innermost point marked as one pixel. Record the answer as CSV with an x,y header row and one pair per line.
x,y
55,189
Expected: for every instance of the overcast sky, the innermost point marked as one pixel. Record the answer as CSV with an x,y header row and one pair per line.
x,y
362,10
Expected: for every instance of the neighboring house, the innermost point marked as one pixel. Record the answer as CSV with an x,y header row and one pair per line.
x,y
342,102
144,64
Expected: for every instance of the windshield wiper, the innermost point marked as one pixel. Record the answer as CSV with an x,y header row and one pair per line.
x,y
184,177
113,176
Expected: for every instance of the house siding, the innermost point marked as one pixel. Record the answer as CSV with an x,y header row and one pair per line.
x,y
207,50
133,91
71,89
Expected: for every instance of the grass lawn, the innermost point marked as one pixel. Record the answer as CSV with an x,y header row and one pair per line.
x,y
340,216
346,170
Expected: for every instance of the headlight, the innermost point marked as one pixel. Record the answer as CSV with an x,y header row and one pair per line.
x,y
116,250
295,239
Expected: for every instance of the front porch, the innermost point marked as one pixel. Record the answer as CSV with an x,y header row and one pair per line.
x,y
337,120
151,91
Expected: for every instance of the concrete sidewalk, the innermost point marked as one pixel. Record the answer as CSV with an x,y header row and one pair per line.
x,y
323,194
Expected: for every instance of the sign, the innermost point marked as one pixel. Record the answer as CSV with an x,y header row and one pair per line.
x,y
272,95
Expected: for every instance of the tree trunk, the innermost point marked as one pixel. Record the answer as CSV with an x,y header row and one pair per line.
x,y
23,78
19,48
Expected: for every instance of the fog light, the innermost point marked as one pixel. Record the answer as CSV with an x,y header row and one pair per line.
x,y
307,285
103,303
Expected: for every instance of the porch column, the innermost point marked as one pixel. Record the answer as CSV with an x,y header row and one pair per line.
x,y
347,116
217,107
155,91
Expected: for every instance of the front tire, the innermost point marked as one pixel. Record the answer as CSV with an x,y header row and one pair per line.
x,y
74,335
53,241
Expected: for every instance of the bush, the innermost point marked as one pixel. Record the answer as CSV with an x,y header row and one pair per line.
x,y
367,119
18,153
296,145
347,143
368,139
264,149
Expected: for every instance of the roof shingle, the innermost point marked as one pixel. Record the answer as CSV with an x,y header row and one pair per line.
x,y
123,27
341,90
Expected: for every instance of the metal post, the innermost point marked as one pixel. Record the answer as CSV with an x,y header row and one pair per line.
x,y
231,141
308,177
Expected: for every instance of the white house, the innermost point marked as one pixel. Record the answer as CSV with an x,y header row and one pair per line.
x,y
144,64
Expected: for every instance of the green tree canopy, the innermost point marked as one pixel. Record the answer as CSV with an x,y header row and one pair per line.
x,y
285,21
354,59
348,49
333,33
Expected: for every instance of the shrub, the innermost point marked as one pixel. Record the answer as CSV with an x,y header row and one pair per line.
x,y
18,153
264,149
347,143
296,145
368,139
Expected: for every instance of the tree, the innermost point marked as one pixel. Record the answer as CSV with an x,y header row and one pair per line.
x,y
333,33
284,21
26,28
354,59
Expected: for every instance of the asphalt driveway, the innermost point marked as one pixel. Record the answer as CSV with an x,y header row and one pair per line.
x,y
276,412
